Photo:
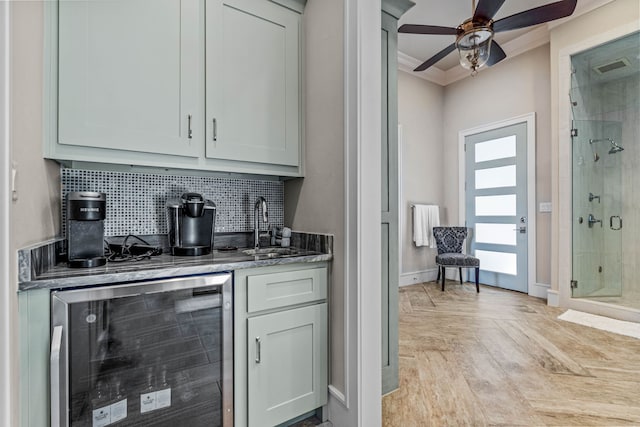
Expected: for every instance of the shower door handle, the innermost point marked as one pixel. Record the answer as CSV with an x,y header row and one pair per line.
x,y
619,227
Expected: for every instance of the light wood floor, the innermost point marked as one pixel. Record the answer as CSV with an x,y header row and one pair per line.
x,y
503,358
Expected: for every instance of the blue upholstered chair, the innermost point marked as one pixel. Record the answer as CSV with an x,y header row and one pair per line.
x,y
449,241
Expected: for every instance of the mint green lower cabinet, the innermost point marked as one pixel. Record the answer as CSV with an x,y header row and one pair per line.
x,y
287,372
280,343
33,308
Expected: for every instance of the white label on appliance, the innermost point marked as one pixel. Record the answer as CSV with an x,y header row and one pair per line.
x,y
147,402
102,416
163,398
119,411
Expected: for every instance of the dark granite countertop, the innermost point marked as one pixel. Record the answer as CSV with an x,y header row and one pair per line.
x,y
38,273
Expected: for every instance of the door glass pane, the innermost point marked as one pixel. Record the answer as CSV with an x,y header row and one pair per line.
x,y
496,149
499,262
504,176
499,234
496,205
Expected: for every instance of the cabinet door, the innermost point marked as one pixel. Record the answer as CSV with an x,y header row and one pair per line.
x,y
287,364
253,95
131,75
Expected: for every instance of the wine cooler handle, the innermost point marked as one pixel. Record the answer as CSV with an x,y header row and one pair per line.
x,y
56,380
258,349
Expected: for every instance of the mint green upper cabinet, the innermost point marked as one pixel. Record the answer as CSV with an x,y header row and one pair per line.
x,y
210,85
131,76
253,82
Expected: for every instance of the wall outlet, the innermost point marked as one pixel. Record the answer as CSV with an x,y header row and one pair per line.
x,y
545,207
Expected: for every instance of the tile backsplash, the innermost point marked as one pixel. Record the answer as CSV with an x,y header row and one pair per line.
x,y
136,201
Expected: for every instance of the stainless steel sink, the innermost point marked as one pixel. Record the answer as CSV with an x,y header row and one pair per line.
x,y
272,252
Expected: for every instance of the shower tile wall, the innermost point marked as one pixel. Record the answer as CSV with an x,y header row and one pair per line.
x,y
136,201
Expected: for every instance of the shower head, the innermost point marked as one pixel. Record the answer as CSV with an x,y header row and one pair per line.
x,y
615,148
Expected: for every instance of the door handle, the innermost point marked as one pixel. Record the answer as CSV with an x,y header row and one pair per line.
x,y
56,376
189,132
258,350
522,229
215,129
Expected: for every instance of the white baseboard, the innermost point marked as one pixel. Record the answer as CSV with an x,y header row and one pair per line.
x,y
539,290
429,275
553,298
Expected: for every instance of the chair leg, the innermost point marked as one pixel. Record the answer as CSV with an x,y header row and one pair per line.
x,y
460,271
438,279
443,278
477,274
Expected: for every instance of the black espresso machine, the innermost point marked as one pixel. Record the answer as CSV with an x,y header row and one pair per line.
x,y
191,220
86,211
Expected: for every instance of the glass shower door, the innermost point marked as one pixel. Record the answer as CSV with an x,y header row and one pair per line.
x,y
597,207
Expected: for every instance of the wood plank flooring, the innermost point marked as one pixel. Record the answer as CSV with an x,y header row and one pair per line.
x,y
503,358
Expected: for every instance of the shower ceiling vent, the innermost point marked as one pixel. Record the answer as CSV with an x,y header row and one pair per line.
x,y
611,66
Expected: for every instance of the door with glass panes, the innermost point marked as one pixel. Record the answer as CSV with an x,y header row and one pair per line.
x,y
496,204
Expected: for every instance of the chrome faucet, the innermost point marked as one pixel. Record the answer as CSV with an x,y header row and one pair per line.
x,y
261,203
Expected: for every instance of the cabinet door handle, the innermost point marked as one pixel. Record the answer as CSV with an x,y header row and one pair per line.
x,y
190,132
258,349
55,371
215,129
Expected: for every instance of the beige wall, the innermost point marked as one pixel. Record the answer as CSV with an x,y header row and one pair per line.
x,y
316,203
517,86
420,115
35,214
593,25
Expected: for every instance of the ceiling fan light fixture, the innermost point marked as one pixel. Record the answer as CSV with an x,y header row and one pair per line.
x,y
474,47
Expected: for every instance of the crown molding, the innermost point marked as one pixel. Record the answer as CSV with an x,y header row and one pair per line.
x,y
396,8
407,64
513,48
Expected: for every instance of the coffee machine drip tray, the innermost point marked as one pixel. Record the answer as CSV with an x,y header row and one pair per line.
x,y
191,250
87,262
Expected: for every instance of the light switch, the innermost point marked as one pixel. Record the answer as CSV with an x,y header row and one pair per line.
x,y
545,207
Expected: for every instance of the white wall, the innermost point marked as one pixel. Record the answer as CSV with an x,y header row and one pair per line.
x,y
514,87
420,115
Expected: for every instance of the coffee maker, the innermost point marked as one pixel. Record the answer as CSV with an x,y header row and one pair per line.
x,y
86,212
191,221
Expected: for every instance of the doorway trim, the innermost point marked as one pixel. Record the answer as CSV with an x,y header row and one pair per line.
x,y
530,120
7,298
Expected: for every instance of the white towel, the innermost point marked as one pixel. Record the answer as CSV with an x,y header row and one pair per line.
x,y
425,217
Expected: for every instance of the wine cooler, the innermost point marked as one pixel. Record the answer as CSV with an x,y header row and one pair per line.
x,y
157,353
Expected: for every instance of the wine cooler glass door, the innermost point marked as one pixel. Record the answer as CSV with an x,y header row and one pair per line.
x,y
150,353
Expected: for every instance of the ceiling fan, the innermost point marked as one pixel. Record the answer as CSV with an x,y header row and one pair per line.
x,y
474,37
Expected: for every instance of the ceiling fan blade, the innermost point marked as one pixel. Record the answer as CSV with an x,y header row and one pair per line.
x,y
437,57
427,29
496,55
487,9
536,16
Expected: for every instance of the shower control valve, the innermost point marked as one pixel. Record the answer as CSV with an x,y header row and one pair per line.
x,y
592,220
